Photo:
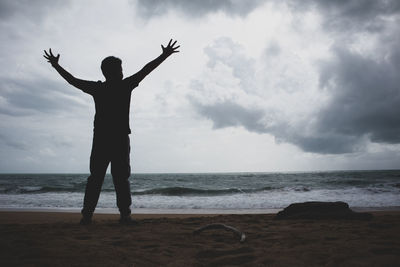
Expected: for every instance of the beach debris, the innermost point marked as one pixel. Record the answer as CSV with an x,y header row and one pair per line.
x,y
240,234
316,210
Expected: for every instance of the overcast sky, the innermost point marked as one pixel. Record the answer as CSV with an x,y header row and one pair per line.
x,y
261,85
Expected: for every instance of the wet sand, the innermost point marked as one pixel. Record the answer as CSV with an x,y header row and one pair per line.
x,y
56,239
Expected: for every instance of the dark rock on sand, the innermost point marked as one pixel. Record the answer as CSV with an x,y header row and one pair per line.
x,y
321,210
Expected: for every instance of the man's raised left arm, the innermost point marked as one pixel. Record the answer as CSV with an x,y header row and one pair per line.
x,y
136,78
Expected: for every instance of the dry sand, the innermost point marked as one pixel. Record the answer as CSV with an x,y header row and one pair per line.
x,y
56,239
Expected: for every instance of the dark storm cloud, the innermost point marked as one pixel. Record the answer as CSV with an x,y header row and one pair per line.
x,y
363,87
365,96
25,97
364,104
231,111
350,15
231,114
327,144
33,10
149,8
338,14
228,113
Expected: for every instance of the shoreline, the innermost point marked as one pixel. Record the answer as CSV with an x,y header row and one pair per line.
x,y
185,211
73,216
150,211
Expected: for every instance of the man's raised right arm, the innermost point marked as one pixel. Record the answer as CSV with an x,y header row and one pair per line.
x,y
86,86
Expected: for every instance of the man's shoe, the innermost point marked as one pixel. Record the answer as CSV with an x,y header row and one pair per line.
x,y
127,220
85,220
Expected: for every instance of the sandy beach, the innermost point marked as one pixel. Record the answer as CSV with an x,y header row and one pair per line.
x,y
56,239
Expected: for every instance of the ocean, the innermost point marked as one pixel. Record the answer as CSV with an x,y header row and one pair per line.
x,y
208,192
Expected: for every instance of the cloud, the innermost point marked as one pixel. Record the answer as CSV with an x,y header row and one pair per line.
x,y
361,105
197,8
10,142
338,15
264,88
350,15
23,97
365,96
28,9
362,78
226,52
305,136
302,134
228,114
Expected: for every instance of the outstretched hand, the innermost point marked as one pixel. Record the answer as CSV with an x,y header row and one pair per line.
x,y
170,48
51,58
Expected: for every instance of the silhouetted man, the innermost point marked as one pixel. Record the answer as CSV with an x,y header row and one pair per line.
x,y
111,128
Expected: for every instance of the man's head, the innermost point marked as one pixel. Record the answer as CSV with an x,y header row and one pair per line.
x,y
112,68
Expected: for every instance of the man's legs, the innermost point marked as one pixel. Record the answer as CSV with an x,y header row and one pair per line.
x,y
121,170
99,160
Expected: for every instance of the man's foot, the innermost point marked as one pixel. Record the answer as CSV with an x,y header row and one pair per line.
x,y
85,220
127,220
